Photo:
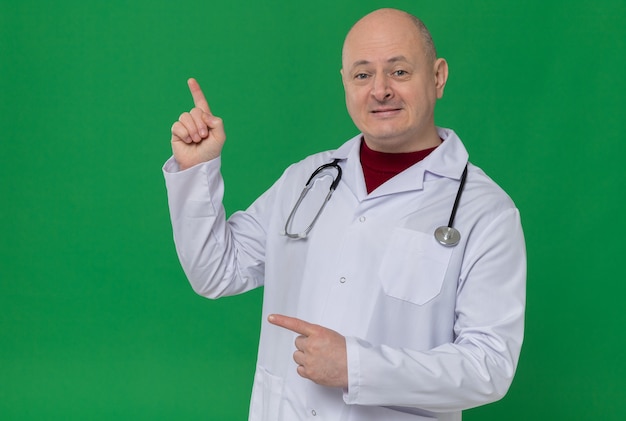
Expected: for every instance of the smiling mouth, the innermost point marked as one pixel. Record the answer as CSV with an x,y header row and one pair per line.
x,y
385,110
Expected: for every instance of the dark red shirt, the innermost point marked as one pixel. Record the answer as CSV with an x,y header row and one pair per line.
x,y
378,167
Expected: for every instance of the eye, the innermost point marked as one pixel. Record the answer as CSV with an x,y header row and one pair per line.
x,y
361,76
400,73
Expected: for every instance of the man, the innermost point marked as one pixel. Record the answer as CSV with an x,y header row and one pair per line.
x,y
367,314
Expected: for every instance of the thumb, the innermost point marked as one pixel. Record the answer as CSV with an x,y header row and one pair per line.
x,y
216,127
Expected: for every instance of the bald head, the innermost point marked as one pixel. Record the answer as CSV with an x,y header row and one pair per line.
x,y
392,80
392,18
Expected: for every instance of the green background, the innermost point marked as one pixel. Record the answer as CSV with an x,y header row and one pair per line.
x,y
97,320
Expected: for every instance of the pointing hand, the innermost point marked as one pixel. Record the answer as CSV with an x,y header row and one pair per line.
x,y
320,352
198,136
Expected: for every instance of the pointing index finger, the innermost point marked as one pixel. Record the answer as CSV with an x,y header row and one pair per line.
x,y
291,323
198,96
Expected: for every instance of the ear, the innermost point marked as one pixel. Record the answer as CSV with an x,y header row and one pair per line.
x,y
440,71
342,78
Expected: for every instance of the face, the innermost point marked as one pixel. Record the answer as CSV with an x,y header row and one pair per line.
x,y
391,85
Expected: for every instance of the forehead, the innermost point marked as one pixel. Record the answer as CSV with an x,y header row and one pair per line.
x,y
382,40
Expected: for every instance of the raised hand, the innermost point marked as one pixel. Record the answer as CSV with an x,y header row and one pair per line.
x,y
320,352
198,136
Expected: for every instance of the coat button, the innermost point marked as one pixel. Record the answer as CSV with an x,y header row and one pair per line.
x,y
362,219
342,280
313,412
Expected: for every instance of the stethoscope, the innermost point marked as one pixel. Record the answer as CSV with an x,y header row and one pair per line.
x,y
447,236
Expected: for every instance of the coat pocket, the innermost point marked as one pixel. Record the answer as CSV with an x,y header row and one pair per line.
x,y
266,396
414,266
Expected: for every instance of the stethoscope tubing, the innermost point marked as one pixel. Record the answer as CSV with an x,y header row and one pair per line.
x,y
307,187
457,199
447,236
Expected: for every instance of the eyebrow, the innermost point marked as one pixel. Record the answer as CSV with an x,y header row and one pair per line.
x,y
394,59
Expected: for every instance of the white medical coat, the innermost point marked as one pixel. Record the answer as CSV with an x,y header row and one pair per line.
x,y
430,330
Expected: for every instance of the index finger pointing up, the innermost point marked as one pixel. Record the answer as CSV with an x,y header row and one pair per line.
x,y
198,96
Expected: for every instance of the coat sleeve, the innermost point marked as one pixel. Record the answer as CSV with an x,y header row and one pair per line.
x,y
220,257
478,367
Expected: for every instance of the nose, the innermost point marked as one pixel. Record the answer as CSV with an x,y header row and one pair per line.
x,y
381,89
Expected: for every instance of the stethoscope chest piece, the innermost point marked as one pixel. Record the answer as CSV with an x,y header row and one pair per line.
x,y
448,236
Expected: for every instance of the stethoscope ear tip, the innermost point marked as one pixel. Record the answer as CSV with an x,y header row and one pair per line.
x,y
447,236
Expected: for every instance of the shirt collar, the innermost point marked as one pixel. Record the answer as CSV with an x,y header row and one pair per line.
x,y
448,160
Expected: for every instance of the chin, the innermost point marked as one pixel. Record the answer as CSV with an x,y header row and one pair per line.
x,y
386,129
384,136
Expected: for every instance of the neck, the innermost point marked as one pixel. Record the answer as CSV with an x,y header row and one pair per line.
x,y
414,143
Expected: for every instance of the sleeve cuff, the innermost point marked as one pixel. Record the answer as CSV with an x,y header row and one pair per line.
x,y
171,165
351,394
